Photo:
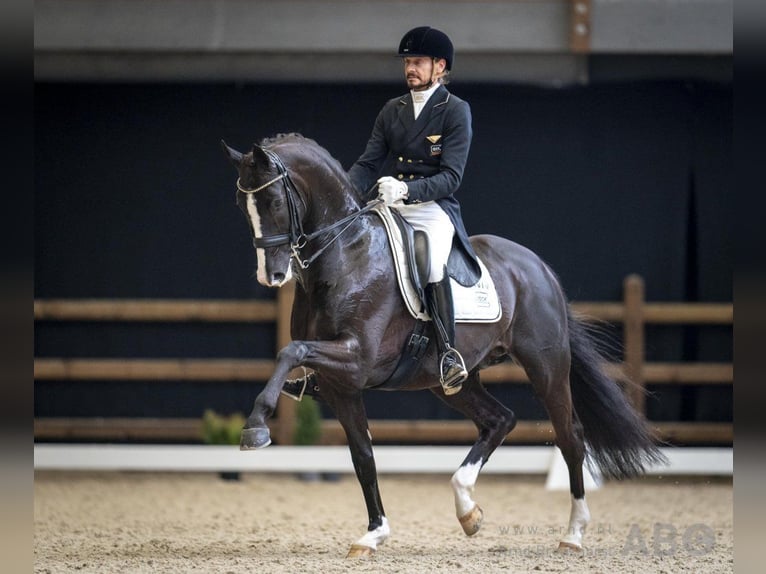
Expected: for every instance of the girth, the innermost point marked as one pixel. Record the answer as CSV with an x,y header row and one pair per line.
x,y
409,361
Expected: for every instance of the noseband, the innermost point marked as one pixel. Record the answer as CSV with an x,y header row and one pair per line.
x,y
296,237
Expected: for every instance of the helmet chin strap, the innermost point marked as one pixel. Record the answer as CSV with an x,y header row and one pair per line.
x,y
433,80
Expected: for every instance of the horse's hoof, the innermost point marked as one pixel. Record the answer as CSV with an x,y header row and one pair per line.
x,y
254,438
360,551
568,547
471,522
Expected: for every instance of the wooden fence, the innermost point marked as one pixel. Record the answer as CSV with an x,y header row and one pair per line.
x,y
634,313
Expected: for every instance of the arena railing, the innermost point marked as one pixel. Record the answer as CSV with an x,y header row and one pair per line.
x,y
634,313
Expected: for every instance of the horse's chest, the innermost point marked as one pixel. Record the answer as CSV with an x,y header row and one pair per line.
x,y
325,312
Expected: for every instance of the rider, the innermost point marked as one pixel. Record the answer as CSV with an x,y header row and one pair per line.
x,y
416,155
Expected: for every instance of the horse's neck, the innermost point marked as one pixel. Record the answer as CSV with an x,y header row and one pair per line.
x,y
341,243
329,192
331,201
347,261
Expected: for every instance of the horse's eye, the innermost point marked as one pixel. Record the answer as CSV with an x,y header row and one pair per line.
x,y
277,203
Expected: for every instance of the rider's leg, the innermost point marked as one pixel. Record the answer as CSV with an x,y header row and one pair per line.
x,y
432,219
441,309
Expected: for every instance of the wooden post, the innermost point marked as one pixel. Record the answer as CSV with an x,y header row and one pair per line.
x,y
633,332
580,26
285,406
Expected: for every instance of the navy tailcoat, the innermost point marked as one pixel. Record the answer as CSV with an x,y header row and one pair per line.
x,y
429,154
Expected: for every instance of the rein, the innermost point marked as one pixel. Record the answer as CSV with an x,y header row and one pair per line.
x,y
296,237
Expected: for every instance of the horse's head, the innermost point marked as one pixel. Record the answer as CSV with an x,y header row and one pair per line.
x,y
273,208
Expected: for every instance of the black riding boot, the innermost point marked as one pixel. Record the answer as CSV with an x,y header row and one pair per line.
x,y
440,307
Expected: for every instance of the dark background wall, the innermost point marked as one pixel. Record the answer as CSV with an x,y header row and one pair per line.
x,y
135,199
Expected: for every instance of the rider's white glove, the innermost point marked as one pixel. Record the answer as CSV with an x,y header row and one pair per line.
x,y
391,190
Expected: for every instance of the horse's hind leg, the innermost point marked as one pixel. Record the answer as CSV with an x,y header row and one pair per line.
x,y
569,439
548,369
494,422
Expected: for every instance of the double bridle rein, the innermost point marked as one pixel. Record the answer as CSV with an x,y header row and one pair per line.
x,y
296,237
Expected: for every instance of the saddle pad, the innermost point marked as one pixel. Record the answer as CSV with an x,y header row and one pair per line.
x,y
476,304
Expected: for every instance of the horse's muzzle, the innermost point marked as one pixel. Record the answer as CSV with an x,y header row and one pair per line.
x,y
275,280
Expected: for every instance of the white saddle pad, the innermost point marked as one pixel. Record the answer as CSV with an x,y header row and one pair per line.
x,y
476,304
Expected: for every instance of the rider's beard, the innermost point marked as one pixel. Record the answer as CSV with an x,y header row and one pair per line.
x,y
421,85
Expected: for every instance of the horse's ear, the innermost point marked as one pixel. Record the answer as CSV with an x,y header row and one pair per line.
x,y
235,157
260,158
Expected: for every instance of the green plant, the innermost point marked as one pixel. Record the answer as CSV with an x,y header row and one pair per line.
x,y
220,429
308,422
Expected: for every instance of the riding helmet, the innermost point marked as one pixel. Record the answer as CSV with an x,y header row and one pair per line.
x,y
427,41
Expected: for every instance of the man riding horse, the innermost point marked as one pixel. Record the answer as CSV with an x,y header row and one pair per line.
x,y
349,323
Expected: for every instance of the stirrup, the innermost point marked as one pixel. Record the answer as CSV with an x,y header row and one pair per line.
x,y
454,382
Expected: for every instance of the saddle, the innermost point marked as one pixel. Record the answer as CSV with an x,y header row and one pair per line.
x,y
417,255
477,303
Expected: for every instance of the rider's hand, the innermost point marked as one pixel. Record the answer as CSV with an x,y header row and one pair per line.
x,y
391,190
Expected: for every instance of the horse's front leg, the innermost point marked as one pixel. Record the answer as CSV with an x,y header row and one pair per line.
x,y
256,434
322,356
350,411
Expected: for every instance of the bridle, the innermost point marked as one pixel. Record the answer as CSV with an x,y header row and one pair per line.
x,y
296,237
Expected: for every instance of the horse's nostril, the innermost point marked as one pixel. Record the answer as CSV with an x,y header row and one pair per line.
x,y
279,277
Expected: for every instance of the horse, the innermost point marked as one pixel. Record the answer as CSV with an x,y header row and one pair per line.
x,y
349,325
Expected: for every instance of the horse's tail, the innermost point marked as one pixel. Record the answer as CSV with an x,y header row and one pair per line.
x,y
618,438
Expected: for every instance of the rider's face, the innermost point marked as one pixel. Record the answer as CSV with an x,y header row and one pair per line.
x,y
420,71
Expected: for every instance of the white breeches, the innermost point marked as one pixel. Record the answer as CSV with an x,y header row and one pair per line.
x,y
432,219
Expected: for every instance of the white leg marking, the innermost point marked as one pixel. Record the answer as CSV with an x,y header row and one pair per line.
x,y
374,537
578,522
463,482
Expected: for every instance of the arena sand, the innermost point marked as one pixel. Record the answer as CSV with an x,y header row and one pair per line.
x,y
266,523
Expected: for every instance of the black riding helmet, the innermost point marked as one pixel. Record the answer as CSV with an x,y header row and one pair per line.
x,y
427,41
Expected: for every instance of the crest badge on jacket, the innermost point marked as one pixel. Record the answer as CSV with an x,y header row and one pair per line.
x,y
436,148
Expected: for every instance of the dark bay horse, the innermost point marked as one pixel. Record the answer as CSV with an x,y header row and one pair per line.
x,y
349,325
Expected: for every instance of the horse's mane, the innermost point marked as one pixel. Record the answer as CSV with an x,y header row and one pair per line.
x,y
306,143
309,146
286,138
